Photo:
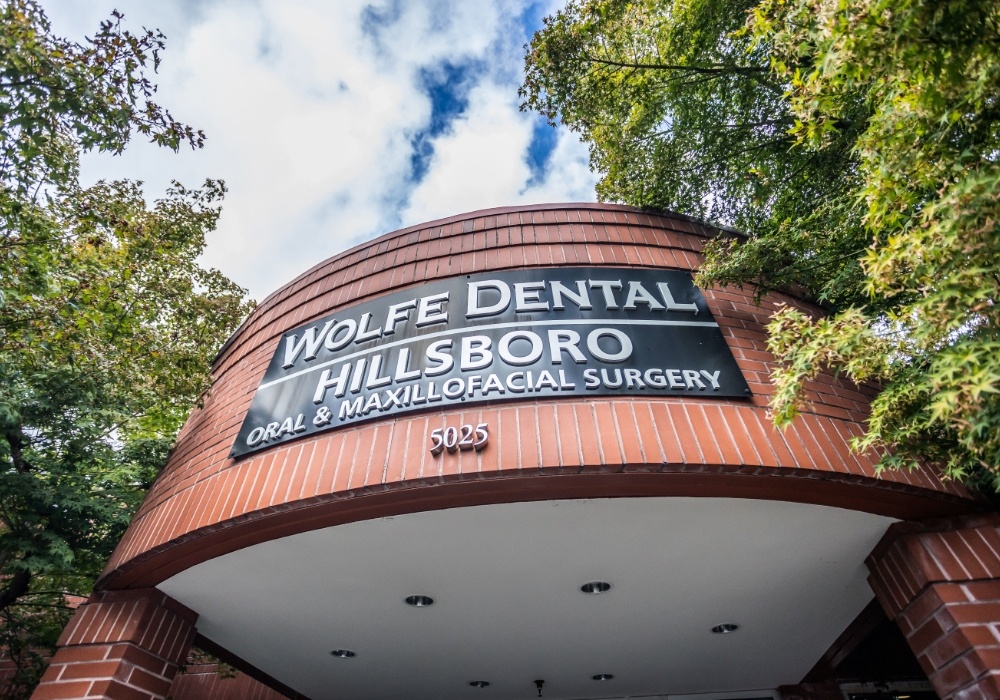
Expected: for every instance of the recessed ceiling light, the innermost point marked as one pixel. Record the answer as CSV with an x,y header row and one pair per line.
x,y
418,601
725,628
343,653
603,677
479,684
595,587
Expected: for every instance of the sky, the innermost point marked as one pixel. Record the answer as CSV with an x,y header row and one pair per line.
x,y
334,122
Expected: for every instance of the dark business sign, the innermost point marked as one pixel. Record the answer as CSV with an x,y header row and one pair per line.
x,y
491,337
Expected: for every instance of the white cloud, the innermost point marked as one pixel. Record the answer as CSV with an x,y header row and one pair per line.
x,y
310,118
569,178
481,163
472,167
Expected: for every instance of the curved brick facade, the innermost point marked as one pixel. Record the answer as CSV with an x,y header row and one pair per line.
x,y
206,504
937,574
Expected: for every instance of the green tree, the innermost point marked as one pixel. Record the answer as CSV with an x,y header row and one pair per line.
x,y
107,321
856,145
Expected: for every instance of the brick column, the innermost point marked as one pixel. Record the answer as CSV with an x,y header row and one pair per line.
x,y
120,645
940,582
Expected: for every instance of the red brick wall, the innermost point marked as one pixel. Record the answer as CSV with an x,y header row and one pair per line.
x,y
204,682
205,504
941,583
122,645
7,671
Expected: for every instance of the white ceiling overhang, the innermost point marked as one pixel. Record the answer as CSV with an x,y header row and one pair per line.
x,y
508,610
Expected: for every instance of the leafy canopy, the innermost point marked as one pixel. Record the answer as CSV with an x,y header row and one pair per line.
x,y
107,322
856,144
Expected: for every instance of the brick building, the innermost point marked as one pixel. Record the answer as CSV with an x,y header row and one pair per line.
x,y
517,453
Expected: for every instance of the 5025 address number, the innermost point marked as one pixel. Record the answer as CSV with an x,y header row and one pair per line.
x,y
465,437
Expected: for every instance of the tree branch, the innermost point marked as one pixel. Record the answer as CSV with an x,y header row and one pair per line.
x,y
15,439
17,586
713,68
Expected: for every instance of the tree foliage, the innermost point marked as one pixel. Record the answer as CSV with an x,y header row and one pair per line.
x,y
857,144
107,321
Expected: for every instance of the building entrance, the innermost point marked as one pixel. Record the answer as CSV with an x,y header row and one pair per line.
x,y
521,444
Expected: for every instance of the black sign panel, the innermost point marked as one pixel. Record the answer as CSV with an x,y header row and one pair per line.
x,y
492,337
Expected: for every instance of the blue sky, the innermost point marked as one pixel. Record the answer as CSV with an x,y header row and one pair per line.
x,y
334,122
